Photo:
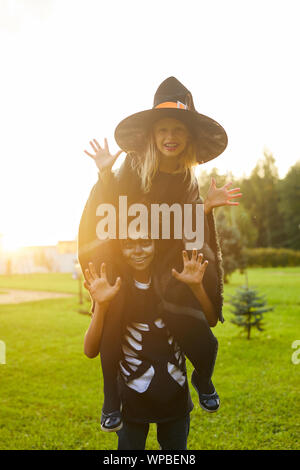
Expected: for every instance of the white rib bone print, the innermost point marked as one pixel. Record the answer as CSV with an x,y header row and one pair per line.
x,y
133,360
135,333
141,326
134,344
176,373
141,383
124,371
159,323
128,351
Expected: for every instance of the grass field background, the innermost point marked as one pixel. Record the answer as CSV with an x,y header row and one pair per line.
x,y
51,394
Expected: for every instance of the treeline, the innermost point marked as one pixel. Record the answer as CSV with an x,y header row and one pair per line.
x,y
269,210
268,214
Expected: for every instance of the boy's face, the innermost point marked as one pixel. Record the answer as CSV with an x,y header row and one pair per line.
x,y
139,253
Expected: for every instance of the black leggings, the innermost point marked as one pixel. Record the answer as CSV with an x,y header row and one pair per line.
x,y
171,435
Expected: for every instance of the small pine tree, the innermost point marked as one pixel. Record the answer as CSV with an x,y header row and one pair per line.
x,y
249,308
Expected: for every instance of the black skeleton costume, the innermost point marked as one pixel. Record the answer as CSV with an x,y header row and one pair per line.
x,y
152,373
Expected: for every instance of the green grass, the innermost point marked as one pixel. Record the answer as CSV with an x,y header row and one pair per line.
x,y
54,282
51,394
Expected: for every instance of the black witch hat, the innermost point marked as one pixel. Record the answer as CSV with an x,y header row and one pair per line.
x,y
172,99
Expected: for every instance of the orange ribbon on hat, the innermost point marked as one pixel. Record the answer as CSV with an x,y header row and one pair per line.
x,y
171,104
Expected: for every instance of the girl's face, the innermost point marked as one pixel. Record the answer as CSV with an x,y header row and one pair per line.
x,y
139,253
171,137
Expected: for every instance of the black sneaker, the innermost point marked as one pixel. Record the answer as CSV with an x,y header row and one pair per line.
x,y
111,422
209,402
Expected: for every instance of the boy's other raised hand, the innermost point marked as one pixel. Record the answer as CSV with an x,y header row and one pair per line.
x,y
102,157
98,286
193,269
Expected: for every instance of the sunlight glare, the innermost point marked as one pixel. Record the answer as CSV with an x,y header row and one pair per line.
x,y
10,244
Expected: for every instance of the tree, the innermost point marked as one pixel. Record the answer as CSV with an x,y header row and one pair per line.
x,y
249,308
231,245
240,217
290,207
261,197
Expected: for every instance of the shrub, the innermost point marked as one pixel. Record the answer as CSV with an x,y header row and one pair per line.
x,y
271,257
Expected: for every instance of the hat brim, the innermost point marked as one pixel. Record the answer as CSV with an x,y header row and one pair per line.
x,y
210,137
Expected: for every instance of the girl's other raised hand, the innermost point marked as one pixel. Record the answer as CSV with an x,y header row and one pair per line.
x,y
217,197
102,157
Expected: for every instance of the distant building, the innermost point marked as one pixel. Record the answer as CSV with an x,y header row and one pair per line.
x,y
60,258
67,246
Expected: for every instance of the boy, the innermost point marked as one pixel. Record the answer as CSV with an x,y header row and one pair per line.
x,y
152,375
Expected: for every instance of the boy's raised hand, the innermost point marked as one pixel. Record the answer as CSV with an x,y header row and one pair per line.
x,y
98,286
193,269
217,197
102,157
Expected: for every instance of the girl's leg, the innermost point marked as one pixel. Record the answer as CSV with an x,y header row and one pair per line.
x,y
133,436
186,322
197,341
173,434
110,353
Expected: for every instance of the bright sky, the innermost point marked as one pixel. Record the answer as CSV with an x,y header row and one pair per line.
x,y
72,69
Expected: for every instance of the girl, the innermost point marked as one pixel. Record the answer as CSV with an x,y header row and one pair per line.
x,y
163,145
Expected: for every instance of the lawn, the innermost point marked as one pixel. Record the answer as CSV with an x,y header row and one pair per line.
x,y
51,394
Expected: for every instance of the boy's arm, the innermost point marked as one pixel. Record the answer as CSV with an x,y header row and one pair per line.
x,y
102,293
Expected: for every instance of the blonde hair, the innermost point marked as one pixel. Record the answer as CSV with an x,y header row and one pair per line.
x,y
146,163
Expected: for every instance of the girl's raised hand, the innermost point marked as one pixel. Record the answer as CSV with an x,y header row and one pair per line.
x,y
220,196
98,286
193,269
102,157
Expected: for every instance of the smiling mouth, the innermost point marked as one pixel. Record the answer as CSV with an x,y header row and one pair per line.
x,y
139,260
171,147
